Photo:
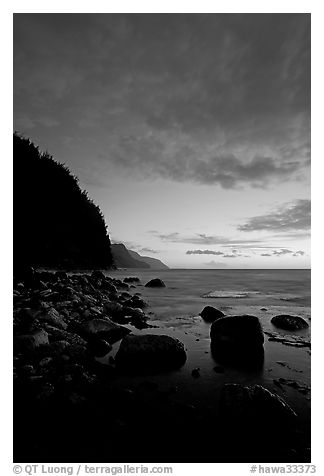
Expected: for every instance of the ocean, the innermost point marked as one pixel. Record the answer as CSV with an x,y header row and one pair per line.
x,y
174,310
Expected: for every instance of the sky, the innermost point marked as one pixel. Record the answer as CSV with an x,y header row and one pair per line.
x,y
190,131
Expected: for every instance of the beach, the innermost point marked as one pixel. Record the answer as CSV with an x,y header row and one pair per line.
x,y
80,404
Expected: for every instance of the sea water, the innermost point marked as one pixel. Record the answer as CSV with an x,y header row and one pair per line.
x,y
174,310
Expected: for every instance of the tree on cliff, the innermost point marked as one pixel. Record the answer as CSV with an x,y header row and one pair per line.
x,y
55,222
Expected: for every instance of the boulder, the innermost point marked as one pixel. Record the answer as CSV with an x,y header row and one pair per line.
x,y
109,287
255,421
238,339
121,285
105,329
59,334
210,314
98,275
113,309
254,404
62,348
51,316
131,279
30,342
155,283
289,323
150,353
136,301
99,347
136,317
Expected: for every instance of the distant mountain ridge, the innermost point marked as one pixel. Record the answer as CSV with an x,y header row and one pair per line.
x,y
125,258
152,262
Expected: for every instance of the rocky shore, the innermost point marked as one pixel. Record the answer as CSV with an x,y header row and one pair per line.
x,y
70,405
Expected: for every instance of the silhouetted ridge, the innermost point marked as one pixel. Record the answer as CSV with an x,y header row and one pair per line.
x,y
56,224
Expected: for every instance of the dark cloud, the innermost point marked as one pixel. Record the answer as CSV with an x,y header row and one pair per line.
x,y
265,254
292,216
204,252
207,98
229,255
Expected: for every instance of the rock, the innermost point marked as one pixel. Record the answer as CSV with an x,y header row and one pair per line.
x,y
52,317
104,328
136,301
27,370
150,352
109,287
238,339
121,285
30,342
125,295
59,334
255,411
61,349
45,362
155,283
289,323
61,275
99,347
113,309
300,387
98,275
131,279
210,314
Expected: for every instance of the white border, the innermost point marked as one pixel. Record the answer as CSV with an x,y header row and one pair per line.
x,y
96,6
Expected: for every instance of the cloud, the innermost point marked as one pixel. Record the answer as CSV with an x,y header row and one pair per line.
x,y
148,250
291,216
25,122
216,264
203,98
233,255
203,239
282,252
203,252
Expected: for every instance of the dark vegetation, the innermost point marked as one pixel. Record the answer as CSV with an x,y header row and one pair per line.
x,y
56,224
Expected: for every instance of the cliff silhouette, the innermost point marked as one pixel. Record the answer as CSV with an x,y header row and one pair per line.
x,y
55,223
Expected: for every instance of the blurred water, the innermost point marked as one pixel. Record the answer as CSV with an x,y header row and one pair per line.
x,y
265,293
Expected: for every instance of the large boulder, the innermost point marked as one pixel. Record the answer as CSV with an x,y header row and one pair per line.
x,y
155,283
238,339
254,404
210,314
150,353
105,329
289,323
255,422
